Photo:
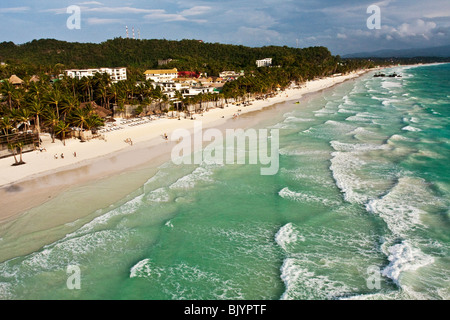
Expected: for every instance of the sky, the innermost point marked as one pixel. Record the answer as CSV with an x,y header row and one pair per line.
x,y
342,26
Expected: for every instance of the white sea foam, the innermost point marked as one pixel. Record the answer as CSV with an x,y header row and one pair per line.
x,y
200,174
141,269
169,224
363,117
156,177
127,208
285,193
296,119
345,163
361,131
398,137
300,283
342,166
287,235
56,256
192,277
301,152
411,128
312,177
356,147
283,125
391,84
343,110
158,195
404,257
324,112
402,207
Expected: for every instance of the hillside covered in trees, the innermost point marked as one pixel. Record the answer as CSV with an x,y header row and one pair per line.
x,y
53,56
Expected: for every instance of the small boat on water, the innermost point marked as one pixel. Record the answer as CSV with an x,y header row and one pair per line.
x,y
298,102
393,75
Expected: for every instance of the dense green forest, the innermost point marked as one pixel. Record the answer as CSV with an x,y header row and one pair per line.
x,y
53,56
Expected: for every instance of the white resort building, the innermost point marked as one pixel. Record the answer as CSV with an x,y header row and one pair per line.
x,y
163,75
116,74
267,62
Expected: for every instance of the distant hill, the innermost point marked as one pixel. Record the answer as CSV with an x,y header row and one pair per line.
x,y
438,52
185,54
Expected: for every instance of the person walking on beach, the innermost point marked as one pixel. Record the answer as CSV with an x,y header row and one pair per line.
x,y
62,155
75,154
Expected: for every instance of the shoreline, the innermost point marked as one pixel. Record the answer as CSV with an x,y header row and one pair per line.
x,y
44,177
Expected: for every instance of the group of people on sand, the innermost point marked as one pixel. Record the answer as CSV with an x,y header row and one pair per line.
x,y
62,155
128,140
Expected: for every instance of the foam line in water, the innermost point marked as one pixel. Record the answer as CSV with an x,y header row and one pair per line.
x,y
301,283
141,269
411,128
404,257
190,180
305,197
287,235
402,207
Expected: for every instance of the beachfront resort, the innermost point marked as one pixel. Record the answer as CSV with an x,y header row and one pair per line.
x,y
86,104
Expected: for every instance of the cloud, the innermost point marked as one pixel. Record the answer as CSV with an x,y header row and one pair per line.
x,y
162,15
121,10
439,14
100,21
15,10
90,2
418,28
197,10
262,35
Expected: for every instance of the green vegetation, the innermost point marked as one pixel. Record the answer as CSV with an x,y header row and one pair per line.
x,y
52,57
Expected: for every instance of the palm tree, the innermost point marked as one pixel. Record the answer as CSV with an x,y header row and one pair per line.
x,y
62,128
6,124
94,121
24,116
37,109
69,105
37,90
18,96
54,97
79,117
7,91
14,146
86,85
51,120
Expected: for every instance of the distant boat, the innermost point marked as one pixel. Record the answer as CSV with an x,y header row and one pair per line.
x,y
394,75
298,102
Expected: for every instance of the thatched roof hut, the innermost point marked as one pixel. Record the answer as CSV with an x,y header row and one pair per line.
x,y
99,110
34,78
15,80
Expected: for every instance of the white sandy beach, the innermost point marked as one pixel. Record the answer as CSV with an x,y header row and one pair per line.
x,y
151,132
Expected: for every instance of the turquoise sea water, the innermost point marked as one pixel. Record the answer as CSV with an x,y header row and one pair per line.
x,y
363,190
